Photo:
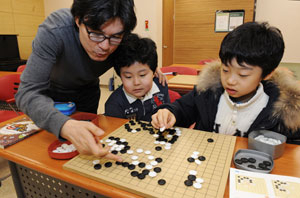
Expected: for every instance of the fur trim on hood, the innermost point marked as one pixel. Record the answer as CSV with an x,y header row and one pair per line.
x,y
286,108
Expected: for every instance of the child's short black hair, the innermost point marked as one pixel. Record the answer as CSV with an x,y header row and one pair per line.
x,y
135,49
255,44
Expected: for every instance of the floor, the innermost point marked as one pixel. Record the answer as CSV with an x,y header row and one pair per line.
x,y
7,189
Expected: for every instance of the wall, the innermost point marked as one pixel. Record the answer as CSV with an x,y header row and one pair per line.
x,y
285,15
194,32
21,17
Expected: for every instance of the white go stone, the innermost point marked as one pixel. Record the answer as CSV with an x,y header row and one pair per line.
x,y
139,150
156,142
149,166
162,129
134,157
147,152
197,185
193,172
108,140
150,157
169,136
168,147
135,162
155,135
96,162
198,162
153,163
122,140
130,151
152,174
196,152
194,156
133,131
199,180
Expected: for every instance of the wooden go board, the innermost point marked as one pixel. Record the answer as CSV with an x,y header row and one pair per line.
x,y
189,163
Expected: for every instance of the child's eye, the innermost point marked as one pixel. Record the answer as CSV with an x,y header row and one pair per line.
x,y
243,75
128,77
224,70
142,75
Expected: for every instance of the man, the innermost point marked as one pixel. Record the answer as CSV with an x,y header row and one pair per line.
x,y
71,50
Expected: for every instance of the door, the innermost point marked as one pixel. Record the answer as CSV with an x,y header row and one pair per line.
x,y
168,32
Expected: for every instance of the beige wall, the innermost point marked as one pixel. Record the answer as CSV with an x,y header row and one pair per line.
x,y
285,15
21,17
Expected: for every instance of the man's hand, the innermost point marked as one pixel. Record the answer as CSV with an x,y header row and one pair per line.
x,y
85,137
162,78
163,118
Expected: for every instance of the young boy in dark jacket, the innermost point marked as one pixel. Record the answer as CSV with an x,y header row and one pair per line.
x,y
141,93
244,92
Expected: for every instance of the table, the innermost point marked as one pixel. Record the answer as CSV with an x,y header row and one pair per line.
x,y
29,158
195,66
181,87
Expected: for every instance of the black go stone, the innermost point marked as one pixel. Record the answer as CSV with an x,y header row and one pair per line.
x,y
157,169
251,160
244,160
138,129
192,177
134,173
161,182
117,138
125,164
118,163
238,161
190,159
103,145
158,148
114,152
141,164
188,182
261,165
123,151
159,160
141,176
252,166
131,166
145,172
111,138
201,158
108,164
127,147
267,163
210,140
97,166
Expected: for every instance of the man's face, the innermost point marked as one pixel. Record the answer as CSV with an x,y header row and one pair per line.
x,y
137,79
240,81
99,51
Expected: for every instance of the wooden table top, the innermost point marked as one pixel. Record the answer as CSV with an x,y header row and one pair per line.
x,y
182,88
32,153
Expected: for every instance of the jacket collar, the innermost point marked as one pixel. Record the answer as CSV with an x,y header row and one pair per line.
x,y
287,105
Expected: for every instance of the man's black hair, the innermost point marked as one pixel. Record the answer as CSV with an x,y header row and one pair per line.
x,y
134,49
254,44
94,13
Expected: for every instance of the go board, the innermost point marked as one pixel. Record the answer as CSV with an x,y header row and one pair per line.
x,y
177,162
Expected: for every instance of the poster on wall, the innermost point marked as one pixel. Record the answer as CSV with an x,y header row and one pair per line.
x,y
227,20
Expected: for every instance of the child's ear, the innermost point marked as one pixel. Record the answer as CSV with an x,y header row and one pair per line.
x,y
268,76
77,21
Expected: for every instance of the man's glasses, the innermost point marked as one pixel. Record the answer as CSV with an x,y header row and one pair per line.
x,y
98,37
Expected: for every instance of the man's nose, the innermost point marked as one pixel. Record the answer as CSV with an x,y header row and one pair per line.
x,y
104,45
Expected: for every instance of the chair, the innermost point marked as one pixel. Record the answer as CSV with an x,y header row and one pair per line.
x,y
179,70
9,85
173,95
21,68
